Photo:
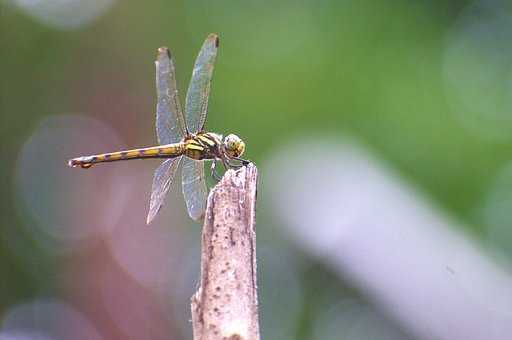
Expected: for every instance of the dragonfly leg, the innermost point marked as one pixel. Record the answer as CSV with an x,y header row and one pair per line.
x,y
234,166
225,164
243,162
214,172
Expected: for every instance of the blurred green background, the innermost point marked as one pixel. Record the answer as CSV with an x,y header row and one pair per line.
x,y
424,85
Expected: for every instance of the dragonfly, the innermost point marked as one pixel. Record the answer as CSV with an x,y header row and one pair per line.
x,y
182,138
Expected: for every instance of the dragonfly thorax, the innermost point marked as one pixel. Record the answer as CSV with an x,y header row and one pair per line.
x,y
203,145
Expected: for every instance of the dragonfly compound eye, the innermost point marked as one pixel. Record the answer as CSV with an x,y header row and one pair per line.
x,y
233,146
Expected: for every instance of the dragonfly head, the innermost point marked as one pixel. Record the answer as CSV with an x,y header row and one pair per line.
x,y
233,146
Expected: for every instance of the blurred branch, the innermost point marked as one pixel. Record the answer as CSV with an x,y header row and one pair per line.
x,y
226,304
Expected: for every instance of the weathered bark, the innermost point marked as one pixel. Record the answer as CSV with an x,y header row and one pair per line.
x,y
226,303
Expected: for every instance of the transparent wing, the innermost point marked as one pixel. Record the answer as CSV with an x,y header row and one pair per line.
x,y
194,187
162,180
196,105
170,122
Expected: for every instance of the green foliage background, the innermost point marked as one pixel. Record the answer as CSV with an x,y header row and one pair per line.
x,y
372,69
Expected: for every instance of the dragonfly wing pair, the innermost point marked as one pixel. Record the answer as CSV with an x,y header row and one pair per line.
x,y
172,127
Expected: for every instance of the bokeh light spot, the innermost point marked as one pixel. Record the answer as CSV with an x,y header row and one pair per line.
x,y
64,14
62,204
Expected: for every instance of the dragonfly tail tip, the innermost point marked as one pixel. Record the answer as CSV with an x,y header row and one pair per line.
x,y
75,162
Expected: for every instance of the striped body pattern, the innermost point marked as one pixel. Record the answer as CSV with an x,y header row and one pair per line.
x,y
201,146
206,145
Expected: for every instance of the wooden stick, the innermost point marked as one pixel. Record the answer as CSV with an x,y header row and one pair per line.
x,y
226,304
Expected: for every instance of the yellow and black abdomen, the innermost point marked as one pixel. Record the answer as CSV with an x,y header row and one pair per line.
x,y
163,151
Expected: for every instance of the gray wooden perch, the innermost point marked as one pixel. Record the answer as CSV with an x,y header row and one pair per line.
x,y
226,304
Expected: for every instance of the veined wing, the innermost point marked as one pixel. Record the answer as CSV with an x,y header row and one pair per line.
x,y
162,180
170,122
194,187
196,104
